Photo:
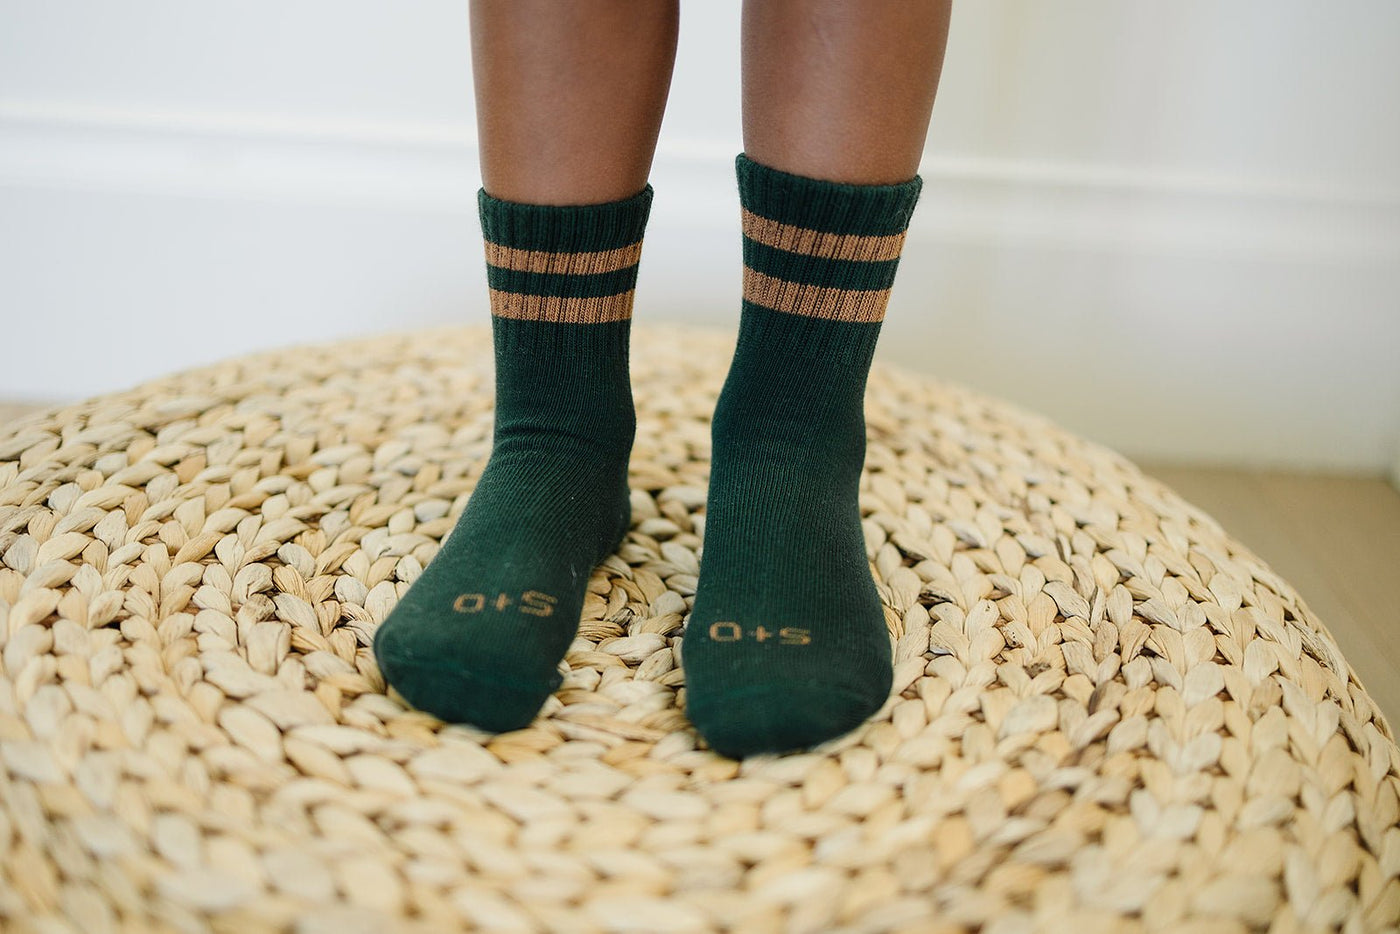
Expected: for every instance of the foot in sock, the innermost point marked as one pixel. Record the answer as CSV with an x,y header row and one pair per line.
x,y
479,636
786,645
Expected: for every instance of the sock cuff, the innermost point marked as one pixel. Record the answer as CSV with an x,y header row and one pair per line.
x,y
823,206
815,248
563,264
567,227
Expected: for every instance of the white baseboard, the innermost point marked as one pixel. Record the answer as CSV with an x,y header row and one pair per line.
x,y
1174,317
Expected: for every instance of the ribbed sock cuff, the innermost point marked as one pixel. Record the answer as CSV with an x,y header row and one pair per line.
x,y
828,207
565,228
562,277
819,262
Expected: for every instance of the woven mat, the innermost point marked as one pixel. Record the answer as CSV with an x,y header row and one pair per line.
x,y
1106,715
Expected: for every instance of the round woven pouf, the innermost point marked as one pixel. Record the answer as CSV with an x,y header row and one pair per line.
x,y
1106,714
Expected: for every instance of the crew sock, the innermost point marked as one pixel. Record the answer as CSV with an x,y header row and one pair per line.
x,y
479,636
786,645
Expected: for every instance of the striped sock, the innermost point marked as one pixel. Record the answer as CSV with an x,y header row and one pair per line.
x,y
479,636
786,645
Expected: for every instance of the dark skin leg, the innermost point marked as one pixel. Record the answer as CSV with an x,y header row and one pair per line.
x,y
840,90
570,96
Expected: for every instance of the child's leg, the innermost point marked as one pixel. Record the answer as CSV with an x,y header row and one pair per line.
x,y
841,91
570,100
570,96
787,644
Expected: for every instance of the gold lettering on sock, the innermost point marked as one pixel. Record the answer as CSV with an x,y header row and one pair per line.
x,y
534,602
726,632
730,631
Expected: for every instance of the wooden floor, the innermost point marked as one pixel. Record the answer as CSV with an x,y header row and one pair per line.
x,y
1335,539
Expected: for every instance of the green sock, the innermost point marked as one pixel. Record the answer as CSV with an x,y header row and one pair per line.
x,y
786,645
479,636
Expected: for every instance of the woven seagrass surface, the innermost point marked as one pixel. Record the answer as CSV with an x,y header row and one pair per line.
x,y
1106,714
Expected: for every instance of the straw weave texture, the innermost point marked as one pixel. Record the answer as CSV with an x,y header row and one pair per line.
x,y
1107,714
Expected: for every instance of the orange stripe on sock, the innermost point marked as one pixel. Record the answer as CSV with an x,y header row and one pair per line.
x,y
560,309
571,264
817,243
814,300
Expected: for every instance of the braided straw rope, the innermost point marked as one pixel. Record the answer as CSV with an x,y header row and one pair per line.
x,y
1106,715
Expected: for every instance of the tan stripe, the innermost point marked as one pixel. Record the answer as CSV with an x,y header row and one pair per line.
x,y
560,309
816,243
572,264
814,300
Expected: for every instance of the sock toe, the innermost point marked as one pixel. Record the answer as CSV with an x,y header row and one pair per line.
x,y
779,717
424,675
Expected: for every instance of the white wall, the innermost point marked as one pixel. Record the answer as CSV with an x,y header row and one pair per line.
x,y
1175,228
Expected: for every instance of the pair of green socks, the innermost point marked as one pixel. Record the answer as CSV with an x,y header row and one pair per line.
x,y
786,644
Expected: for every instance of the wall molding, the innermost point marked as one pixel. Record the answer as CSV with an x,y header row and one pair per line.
x,y
433,166
250,127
